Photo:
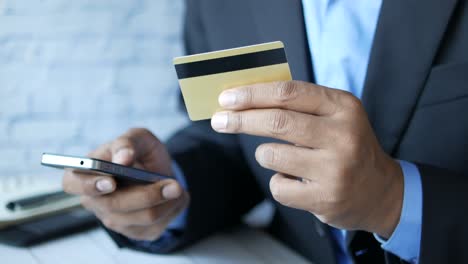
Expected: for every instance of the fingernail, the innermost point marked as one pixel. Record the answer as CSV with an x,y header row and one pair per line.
x,y
266,156
275,190
122,156
104,185
227,98
219,121
171,191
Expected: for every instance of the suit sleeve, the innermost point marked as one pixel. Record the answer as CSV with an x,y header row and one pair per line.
x,y
445,212
221,186
406,238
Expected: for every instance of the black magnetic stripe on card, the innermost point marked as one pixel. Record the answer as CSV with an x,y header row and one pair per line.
x,y
231,63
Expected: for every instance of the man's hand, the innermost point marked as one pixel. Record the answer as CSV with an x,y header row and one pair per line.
x,y
340,173
139,212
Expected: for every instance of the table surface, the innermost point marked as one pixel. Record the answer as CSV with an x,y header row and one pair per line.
x,y
243,245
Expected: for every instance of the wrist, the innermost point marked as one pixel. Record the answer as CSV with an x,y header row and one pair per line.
x,y
388,210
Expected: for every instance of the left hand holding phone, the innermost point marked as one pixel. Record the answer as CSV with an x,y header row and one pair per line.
x,y
140,212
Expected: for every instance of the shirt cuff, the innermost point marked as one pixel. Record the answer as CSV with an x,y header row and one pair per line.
x,y
174,228
405,241
180,221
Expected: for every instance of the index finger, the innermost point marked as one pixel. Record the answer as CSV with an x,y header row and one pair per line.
x,y
291,95
139,144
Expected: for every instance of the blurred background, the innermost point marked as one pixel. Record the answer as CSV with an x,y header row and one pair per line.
x,y
76,74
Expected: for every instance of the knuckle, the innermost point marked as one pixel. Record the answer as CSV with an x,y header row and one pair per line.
x,y
112,204
150,235
151,216
123,141
236,121
338,174
86,202
337,188
133,133
88,186
350,101
354,147
325,218
110,223
138,130
318,203
185,200
351,145
340,180
279,123
98,152
179,208
148,134
270,155
348,139
150,195
329,204
275,188
66,186
140,236
307,128
286,91
246,96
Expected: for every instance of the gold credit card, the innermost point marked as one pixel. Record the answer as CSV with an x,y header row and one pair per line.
x,y
202,77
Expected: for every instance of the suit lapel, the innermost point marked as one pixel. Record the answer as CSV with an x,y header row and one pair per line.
x,y
405,44
406,41
283,20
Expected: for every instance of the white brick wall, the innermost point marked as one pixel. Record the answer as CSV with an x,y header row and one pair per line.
x,y
75,74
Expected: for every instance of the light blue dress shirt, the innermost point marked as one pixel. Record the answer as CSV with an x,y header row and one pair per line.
x,y
340,35
167,239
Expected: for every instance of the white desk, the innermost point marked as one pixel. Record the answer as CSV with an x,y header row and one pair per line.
x,y
94,246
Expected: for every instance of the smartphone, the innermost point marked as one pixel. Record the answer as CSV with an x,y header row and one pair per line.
x,y
123,174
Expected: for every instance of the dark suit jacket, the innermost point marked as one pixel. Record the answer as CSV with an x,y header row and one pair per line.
x,y
416,96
